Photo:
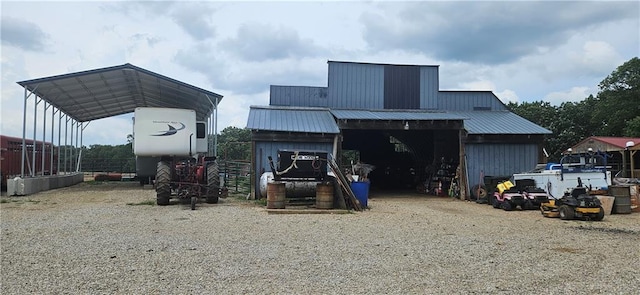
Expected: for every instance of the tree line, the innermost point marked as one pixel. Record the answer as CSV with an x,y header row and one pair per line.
x,y
614,111
234,144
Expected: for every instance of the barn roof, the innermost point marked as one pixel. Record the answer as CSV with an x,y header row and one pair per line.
x,y
292,119
117,90
394,115
498,122
605,143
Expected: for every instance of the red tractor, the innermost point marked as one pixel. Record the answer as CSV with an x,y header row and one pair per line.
x,y
170,146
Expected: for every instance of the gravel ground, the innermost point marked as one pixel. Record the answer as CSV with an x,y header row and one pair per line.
x,y
106,239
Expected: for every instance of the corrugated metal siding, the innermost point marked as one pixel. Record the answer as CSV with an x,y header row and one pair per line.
x,y
356,86
401,87
302,96
265,149
468,100
293,120
499,122
393,115
499,159
429,86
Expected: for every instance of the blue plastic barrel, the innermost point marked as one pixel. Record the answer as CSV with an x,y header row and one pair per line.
x,y
361,190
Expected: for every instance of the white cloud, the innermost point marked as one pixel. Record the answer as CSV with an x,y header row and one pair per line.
x,y
574,94
507,96
186,41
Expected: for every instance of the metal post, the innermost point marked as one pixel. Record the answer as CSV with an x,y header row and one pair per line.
x,y
66,148
53,124
215,130
71,152
24,133
44,132
59,137
35,142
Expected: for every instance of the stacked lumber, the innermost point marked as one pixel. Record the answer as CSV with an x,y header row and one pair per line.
x,y
349,197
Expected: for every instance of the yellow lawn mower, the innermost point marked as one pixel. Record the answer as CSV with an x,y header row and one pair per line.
x,y
575,205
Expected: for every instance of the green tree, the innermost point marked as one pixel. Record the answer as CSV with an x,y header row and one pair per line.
x,y
618,99
234,144
633,127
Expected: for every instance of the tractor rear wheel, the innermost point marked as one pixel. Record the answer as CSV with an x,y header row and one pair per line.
x,y
566,212
213,183
163,187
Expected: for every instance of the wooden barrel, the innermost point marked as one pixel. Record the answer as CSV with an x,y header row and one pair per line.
x,y
276,195
324,195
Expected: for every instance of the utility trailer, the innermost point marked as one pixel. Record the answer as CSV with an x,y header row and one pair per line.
x,y
170,147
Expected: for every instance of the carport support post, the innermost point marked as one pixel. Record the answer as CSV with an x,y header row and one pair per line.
x,y
24,133
35,142
44,134
53,124
59,137
66,137
82,127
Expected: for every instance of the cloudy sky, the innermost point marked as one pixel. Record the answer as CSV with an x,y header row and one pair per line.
x,y
522,51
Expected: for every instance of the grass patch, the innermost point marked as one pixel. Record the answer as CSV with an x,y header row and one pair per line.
x,y
261,202
147,202
4,201
93,182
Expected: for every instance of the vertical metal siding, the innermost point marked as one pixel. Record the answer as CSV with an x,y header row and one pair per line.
x,y
265,149
301,96
499,159
355,86
401,87
467,100
429,86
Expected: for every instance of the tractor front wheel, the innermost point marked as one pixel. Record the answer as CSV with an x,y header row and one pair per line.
x,y
163,187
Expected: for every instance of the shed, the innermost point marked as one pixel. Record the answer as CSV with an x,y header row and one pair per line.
x,y
622,153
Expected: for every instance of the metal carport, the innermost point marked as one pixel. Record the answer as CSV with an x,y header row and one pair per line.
x,y
81,97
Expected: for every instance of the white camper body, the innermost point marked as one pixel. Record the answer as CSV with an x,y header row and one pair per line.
x,y
167,132
557,182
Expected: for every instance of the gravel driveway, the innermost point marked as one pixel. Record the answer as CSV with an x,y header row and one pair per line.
x,y
107,239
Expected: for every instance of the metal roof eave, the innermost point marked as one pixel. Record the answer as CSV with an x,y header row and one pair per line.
x,y
109,92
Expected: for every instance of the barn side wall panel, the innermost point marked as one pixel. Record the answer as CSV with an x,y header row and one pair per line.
x,y
429,86
499,160
301,96
355,86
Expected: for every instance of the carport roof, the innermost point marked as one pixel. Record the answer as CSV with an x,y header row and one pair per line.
x,y
117,90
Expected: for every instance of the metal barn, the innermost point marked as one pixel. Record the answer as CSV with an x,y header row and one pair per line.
x,y
396,118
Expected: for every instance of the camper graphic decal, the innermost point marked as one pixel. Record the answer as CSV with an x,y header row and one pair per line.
x,y
171,130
